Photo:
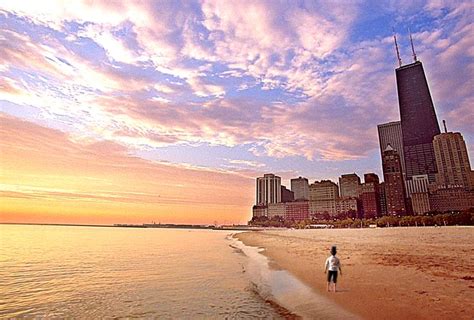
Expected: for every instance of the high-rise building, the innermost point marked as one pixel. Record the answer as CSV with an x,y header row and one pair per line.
x,y
417,190
420,202
371,178
417,184
347,205
292,211
394,185
297,210
268,189
382,199
322,197
391,134
259,211
287,195
276,210
349,185
369,197
418,120
452,160
300,188
451,199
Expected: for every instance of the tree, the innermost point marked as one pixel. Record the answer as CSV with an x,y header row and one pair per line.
x,y
427,220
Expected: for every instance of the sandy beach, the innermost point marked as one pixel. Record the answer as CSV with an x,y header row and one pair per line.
x,y
389,273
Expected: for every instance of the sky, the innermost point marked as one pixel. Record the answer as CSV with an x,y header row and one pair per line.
x,y
167,111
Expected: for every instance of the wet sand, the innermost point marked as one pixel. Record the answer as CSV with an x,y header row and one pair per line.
x,y
390,273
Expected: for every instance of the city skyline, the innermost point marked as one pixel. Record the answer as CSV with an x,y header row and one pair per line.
x,y
167,112
424,171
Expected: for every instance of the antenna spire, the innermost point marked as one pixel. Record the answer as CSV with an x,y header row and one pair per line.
x,y
396,47
445,129
412,47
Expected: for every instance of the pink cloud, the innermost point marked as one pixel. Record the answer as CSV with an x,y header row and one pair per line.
x,y
273,47
42,164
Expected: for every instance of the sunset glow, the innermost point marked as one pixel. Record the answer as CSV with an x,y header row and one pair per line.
x,y
165,111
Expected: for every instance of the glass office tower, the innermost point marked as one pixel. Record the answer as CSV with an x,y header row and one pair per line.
x,y
418,120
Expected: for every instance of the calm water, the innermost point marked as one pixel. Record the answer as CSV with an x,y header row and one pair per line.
x,y
86,272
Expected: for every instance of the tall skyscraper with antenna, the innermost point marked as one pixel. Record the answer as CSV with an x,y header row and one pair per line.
x,y
418,118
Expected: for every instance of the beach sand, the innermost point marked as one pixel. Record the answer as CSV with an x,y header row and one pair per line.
x,y
388,273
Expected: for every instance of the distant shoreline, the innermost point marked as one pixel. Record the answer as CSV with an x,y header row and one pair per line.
x,y
205,227
141,226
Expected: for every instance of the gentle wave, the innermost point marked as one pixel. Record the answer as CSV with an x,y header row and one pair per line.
x,y
285,290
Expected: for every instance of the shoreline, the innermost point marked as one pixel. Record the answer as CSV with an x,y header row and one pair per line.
x,y
394,273
290,297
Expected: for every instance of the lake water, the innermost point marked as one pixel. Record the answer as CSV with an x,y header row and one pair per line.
x,y
90,272
94,272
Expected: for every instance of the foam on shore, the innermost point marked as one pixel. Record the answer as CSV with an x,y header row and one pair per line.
x,y
284,289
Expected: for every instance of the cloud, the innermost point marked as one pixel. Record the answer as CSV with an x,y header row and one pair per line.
x,y
294,85
278,45
8,86
244,163
203,89
263,39
288,78
448,55
55,63
264,48
115,47
69,175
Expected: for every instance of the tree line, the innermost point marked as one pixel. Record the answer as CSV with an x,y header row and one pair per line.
x,y
433,218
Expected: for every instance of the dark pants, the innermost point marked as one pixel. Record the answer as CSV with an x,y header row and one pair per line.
x,y
332,275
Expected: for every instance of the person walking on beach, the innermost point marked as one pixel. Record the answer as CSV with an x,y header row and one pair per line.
x,y
332,266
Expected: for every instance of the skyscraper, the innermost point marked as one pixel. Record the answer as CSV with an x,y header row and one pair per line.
x,y
394,185
287,195
417,190
268,189
382,199
259,211
276,210
322,197
297,210
371,178
349,185
370,196
391,134
418,120
417,184
349,206
452,160
300,187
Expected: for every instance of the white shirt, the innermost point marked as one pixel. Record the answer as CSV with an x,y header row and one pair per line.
x,y
332,263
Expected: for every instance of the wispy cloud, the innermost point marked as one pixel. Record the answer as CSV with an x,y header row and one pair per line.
x,y
304,51
73,177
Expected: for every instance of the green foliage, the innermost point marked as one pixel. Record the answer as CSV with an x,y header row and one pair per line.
x,y
433,218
